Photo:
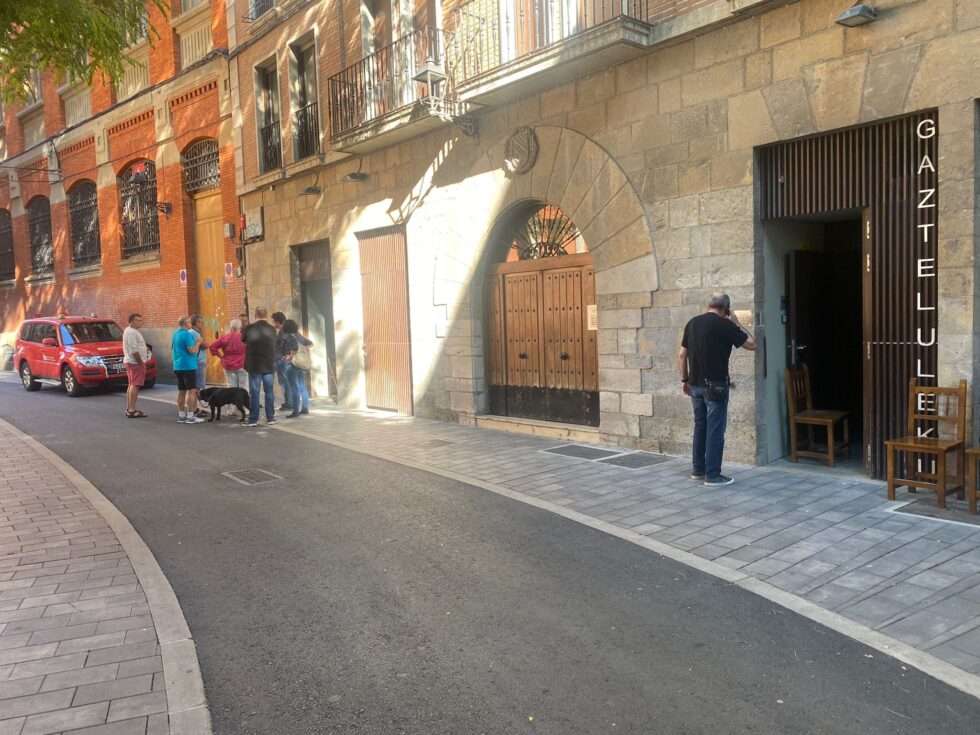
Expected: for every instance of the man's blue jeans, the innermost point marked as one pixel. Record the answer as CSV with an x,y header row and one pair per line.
x,y
710,422
287,392
257,381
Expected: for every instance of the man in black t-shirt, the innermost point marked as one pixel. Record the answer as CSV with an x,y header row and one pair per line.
x,y
703,365
260,361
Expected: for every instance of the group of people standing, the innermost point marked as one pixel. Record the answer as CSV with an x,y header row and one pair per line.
x,y
252,355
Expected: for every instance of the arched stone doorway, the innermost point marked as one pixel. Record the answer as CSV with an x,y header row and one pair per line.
x,y
540,318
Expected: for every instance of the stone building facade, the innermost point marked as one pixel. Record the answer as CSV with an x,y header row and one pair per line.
x,y
147,153
650,133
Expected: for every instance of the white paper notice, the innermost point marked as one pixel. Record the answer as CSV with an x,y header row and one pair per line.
x,y
592,315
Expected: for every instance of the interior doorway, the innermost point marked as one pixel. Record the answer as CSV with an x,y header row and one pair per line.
x,y
815,316
316,314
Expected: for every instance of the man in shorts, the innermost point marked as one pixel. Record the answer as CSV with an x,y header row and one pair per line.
x,y
197,329
135,356
184,346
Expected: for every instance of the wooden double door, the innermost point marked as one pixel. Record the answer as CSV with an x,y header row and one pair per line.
x,y
542,358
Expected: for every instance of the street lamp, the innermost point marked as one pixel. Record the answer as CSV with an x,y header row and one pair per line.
x,y
858,15
432,76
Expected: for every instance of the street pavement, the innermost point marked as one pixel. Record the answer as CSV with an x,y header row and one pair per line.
x,y
363,594
81,651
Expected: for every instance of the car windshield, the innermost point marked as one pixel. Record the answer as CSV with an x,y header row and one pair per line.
x,y
90,332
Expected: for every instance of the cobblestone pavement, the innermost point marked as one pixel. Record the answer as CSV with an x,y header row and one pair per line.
x,y
79,651
822,538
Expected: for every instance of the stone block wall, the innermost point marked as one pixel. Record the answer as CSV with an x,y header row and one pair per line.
x,y
653,159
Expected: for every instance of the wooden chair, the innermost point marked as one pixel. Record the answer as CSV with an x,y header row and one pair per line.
x,y
943,410
802,413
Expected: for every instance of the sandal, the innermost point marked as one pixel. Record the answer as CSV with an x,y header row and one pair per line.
x,y
135,415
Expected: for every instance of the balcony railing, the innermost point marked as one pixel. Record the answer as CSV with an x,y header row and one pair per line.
x,y
383,82
270,146
491,33
306,128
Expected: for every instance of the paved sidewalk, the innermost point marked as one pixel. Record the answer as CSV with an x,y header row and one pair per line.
x,y
827,546
79,650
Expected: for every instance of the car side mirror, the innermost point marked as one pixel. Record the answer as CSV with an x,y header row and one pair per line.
x,y
49,342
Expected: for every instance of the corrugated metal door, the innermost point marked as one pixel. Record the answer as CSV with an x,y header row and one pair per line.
x,y
384,293
890,172
212,297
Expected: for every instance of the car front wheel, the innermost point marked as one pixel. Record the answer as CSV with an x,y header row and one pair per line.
x,y
27,378
70,382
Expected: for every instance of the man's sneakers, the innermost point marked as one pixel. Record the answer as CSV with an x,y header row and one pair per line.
x,y
194,420
718,481
250,424
697,475
270,422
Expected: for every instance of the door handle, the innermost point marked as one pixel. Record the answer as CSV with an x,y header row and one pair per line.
x,y
522,355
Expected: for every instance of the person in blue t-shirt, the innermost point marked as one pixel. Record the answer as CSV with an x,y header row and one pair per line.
x,y
197,329
184,346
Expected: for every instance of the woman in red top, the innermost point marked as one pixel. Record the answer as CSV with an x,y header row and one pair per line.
x,y
231,350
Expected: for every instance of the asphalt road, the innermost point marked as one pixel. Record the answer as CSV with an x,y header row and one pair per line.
x,y
360,596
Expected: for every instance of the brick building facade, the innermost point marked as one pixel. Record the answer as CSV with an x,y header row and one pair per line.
x,y
113,164
694,146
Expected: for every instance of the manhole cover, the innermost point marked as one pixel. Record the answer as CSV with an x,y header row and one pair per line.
x,y
251,477
636,460
432,443
575,450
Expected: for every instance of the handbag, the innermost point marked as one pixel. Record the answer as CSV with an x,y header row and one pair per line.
x,y
301,358
717,389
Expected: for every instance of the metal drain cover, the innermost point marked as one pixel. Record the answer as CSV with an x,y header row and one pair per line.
x,y
637,460
251,477
576,450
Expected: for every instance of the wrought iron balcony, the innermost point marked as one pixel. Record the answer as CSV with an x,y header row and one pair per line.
x,y
492,38
383,83
306,129
270,146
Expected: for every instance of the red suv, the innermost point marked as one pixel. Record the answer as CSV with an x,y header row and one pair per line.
x,y
78,352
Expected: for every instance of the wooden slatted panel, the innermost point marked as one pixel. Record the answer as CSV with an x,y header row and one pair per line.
x,y
384,292
874,168
590,349
314,261
563,327
522,303
496,349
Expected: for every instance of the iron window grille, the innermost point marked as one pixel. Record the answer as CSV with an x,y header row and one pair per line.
x,y
545,232
7,270
259,8
39,227
270,141
138,197
201,166
83,209
307,125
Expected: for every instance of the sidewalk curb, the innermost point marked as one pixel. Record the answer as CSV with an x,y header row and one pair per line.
x,y
186,704
925,662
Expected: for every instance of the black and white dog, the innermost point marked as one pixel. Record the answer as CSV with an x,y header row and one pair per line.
x,y
218,397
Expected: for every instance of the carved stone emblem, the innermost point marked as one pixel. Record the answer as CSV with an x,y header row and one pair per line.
x,y
521,151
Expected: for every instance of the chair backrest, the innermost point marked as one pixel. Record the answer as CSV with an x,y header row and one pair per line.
x,y
943,410
798,396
